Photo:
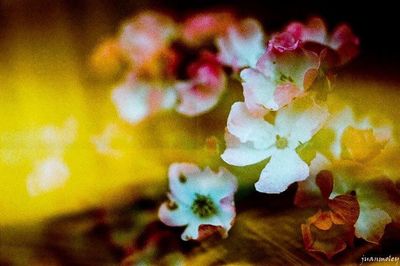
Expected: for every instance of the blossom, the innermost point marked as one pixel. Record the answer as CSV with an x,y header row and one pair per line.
x,y
284,71
135,99
199,199
203,90
314,34
346,128
251,139
242,44
331,231
48,174
204,27
146,37
356,172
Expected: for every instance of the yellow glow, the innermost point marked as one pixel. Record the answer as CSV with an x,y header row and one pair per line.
x,y
52,119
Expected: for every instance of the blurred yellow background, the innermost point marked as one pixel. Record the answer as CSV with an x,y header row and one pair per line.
x,y
63,147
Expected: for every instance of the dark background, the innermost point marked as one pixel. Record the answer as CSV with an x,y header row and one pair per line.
x,y
375,22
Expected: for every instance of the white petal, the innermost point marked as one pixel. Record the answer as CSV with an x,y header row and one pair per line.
x,y
258,91
131,103
284,168
319,163
371,224
169,98
227,213
247,127
300,120
242,45
241,154
217,185
191,231
177,217
184,192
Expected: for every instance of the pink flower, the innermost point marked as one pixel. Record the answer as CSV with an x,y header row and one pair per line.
x,y
135,100
199,199
145,37
242,44
203,90
342,44
284,72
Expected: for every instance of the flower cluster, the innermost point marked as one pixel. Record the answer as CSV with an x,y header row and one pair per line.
x,y
174,66
279,85
281,123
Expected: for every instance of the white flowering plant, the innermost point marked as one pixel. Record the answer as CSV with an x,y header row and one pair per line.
x,y
283,121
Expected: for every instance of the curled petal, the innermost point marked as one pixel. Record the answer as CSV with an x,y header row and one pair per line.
x,y
345,43
346,207
336,49
284,168
283,42
242,45
313,31
324,181
191,232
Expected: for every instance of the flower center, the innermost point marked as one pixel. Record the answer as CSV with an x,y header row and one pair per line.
x,y
283,78
281,142
203,206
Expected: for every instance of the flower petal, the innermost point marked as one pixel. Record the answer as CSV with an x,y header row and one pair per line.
x,y
191,232
136,101
258,91
371,224
284,168
218,185
145,37
203,90
241,154
345,43
248,128
308,193
203,27
174,217
181,179
313,31
300,120
242,45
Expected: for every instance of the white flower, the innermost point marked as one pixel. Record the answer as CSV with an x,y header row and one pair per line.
x,y
136,100
242,45
251,139
199,198
49,174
